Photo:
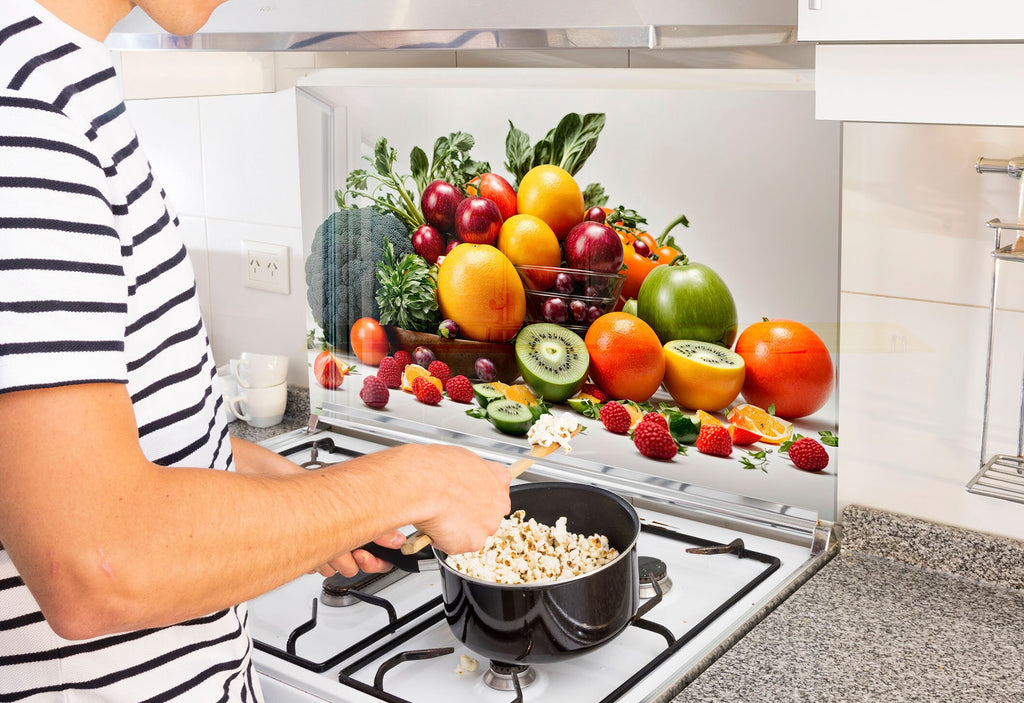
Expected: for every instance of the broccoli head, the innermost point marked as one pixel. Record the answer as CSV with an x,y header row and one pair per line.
x,y
341,269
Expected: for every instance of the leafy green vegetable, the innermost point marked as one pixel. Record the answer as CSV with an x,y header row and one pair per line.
x,y
567,146
451,162
829,439
407,294
594,196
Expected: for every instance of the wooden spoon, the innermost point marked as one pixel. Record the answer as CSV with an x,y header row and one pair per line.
x,y
418,540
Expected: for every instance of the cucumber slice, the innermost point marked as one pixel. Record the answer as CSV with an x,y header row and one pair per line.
x,y
484,393
509,416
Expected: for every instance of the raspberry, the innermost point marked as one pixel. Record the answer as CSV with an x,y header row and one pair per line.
x,y
654,441
656,418
616,418
426,392
403,358
714,440
593,390
439,369
459,389
389,372
808,454
374,392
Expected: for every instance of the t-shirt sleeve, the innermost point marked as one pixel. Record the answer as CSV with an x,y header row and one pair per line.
x,y
63,289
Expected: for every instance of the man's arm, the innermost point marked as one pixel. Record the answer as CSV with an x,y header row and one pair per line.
x,y
107,541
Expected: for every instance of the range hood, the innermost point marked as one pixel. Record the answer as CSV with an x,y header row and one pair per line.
x,y
471,25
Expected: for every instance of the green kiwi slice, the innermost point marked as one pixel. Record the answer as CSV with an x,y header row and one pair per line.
x,y
484,393
510,416
553,360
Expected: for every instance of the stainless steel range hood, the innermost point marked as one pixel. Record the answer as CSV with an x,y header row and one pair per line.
x,y
473,25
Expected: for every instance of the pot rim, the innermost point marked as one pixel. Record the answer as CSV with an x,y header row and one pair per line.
x,y
441,555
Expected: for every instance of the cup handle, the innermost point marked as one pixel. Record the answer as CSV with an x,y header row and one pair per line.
x,y
235,404
236,367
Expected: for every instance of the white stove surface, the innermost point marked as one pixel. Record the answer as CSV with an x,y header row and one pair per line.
x,y
700,583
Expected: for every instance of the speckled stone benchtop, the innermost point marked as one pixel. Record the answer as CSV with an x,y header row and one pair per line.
x,y
908,611
296,415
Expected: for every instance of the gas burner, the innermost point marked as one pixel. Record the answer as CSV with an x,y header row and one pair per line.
x,y
340,591
501,676
652,569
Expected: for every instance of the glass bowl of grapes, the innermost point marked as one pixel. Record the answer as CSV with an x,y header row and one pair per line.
x,y
572,298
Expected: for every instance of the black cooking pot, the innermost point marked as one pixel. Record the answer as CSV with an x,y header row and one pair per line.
x,y
543,622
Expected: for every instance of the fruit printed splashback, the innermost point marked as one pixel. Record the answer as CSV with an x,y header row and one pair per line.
x,y
654,266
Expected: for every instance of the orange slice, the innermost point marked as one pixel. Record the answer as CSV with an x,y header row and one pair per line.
x,y
752,418
414,371
635,413
521,393
742,437
707,418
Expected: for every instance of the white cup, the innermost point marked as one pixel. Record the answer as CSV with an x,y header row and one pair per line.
x,y
259,370
228,389
260,407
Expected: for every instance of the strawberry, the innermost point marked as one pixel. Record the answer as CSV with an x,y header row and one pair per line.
x,y
459,389
403,358
714,440
808,454
439,369
615,417
654,441
656,418
593,390
426,392
389,372
374,392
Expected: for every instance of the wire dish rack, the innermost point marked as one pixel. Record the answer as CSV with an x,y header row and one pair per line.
x,y
1001,475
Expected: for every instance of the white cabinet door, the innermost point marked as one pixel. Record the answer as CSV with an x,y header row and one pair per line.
x,y
910,20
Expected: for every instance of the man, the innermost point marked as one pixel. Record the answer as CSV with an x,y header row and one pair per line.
x,y
123,555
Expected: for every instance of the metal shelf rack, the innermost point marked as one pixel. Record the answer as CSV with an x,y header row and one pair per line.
x,y
1001,475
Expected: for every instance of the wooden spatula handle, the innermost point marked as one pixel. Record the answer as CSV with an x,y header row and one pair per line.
x,y
418,540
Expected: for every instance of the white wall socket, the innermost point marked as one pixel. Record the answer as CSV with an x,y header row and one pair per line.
x,y
265,266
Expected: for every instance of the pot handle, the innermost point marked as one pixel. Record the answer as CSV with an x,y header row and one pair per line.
x,y
413,563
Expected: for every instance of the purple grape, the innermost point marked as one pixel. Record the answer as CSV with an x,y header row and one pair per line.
x,y
423,356
563,283
593,312
591,291
641,248
579,310
449,329
555,310
485,369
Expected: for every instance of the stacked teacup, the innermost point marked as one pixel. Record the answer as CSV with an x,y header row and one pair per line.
x,y
262,388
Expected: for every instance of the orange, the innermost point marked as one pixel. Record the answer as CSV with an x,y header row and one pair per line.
x,y
707,418
742,437
626,359
527,240
755,419
787,365
478,288
550,193
521,393
414,371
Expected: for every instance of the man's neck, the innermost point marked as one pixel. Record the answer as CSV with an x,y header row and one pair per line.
x,y
94,18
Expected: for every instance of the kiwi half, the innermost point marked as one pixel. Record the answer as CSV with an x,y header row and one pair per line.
x,y
484,393
510,416
701,375
553,360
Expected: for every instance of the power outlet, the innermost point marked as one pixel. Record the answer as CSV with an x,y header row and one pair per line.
x,y
265,267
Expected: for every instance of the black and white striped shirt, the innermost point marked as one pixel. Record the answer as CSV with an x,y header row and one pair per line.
x,y
95,286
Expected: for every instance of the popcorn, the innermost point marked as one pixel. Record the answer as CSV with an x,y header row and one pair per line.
x,y
549,430
524,551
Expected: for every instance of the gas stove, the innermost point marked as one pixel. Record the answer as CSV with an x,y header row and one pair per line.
x,y
710,569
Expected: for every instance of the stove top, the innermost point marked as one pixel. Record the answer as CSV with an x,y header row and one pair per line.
x,y
384,636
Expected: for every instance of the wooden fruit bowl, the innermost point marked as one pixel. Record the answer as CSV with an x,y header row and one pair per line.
x,y
459,354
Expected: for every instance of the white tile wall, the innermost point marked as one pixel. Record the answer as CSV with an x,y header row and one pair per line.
x,y
230,168
916,280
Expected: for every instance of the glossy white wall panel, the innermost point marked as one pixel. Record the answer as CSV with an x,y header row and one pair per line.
x,y
930,20
193,234
168,131
245,319
911,387
914,211
250,158
172,74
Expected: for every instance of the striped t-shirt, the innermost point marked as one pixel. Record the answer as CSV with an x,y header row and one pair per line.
x,y
96,287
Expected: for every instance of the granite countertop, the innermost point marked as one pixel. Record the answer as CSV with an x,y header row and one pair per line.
x,y
296,415
907,611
